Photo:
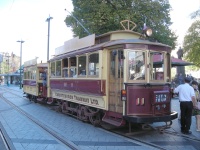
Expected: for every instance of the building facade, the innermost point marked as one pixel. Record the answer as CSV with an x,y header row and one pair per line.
x,y
9,68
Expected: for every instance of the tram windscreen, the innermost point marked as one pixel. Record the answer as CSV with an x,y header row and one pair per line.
x,y
157,66
136,65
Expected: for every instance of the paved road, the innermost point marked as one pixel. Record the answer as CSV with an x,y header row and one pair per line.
x,y
25,135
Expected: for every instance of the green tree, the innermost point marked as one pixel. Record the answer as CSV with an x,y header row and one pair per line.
x,y
191,43
101,16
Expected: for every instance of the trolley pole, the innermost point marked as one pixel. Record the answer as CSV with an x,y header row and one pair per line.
x,y
48,20
20,69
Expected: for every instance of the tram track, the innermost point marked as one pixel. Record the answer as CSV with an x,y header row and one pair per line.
x,y
45,127
160,130
124,134
182,135
68,143
4,141
130,137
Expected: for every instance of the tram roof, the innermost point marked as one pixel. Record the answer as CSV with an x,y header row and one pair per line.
x,y
101,46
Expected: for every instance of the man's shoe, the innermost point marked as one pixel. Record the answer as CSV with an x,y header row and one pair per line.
x,y
187,132
183,131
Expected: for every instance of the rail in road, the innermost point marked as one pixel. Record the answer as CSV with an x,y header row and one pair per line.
x,y
3,143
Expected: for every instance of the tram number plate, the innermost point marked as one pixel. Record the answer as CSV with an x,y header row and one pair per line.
x,y
160,96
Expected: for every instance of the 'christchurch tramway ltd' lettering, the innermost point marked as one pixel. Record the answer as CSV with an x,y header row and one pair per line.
x,y
83,99
64,95
77,98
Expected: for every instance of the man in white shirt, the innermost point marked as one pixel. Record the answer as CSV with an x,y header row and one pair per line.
x,y
186,97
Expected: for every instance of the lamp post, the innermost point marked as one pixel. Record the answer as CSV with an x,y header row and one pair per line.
x,y
8,69
48,20
20,69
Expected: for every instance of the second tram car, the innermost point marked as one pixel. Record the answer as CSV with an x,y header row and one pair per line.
x,y
34,81
118,77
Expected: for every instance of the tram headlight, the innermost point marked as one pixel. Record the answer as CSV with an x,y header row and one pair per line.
x,y
148,32
123,95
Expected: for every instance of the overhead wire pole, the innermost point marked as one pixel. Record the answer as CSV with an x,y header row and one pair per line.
x,y
79,22
20,67
48,20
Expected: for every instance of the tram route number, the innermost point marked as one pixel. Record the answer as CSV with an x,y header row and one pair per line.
x,y
161,97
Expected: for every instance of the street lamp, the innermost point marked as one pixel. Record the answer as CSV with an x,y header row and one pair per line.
x,y
20,69
8,69
48,20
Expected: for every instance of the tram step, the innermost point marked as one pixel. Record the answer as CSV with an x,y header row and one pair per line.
x,y
40,99
113,118
50,101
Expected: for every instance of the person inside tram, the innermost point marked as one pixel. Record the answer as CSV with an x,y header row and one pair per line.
x,y
65,73
44,78
138,71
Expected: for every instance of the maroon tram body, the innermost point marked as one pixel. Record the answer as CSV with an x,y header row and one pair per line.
x,y
118,77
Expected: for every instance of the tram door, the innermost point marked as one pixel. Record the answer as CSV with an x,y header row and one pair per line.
x,y
116,76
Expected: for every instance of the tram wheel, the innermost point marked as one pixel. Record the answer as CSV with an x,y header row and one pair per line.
x,y
82,113
64,107
95,119
35,99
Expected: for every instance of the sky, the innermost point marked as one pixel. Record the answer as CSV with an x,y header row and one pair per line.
x,y
180,17
26,20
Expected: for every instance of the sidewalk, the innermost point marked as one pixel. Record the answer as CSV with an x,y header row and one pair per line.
x,y
176,123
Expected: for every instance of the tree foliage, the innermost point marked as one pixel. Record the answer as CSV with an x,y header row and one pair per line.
x,y
101,16
191,43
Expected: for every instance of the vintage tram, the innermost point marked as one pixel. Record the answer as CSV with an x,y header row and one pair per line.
x,y
118,77
34,78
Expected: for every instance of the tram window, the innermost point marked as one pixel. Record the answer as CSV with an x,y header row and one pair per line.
x,y
113,54
32,74
65,62
72,61
58,68
73,72
168,79
136,61
93,67
40,75
28,77
81,65
72,67
25,75
156,66
120,63
117,63
53,68
65,72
